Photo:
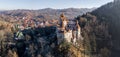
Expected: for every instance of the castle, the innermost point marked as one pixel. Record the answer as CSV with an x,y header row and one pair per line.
x,y
67,30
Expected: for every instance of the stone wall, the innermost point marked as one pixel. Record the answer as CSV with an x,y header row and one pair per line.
x,y
68,36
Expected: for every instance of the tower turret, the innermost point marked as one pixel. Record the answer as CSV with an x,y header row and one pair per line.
x,y
78,33
77,25
63,21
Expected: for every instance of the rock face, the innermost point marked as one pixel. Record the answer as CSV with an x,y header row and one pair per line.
x,y
65,32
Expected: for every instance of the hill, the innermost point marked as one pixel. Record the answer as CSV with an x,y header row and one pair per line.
x,y
47,13
110,14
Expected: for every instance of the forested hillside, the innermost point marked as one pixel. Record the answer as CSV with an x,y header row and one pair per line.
x,y
38,38
110,14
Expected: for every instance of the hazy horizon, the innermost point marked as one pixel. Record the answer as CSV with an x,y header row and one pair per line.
x,y
57,4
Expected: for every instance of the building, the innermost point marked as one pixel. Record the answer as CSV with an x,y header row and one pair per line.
x,y
67,30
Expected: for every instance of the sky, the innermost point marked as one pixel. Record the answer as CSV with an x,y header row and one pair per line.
x,y
55,4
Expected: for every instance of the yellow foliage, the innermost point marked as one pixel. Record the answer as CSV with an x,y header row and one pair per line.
x,y
5,29
76,52
12,54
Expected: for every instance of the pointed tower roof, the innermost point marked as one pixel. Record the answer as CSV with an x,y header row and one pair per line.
x,y
63,21
63,17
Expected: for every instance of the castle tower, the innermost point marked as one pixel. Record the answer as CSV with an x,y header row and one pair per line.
x,y
63,21
62,16
78,26
78,31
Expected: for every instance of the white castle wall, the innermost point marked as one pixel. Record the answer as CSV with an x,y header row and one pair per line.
x,y
68,36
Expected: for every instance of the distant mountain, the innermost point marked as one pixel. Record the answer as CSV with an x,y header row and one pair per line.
x,y
48,13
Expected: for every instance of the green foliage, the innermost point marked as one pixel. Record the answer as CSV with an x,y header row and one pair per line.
x,y
105,52
93,42
65,45
82,21
86,43
95,33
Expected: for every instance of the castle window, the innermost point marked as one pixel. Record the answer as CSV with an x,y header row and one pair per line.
x,y
60,31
